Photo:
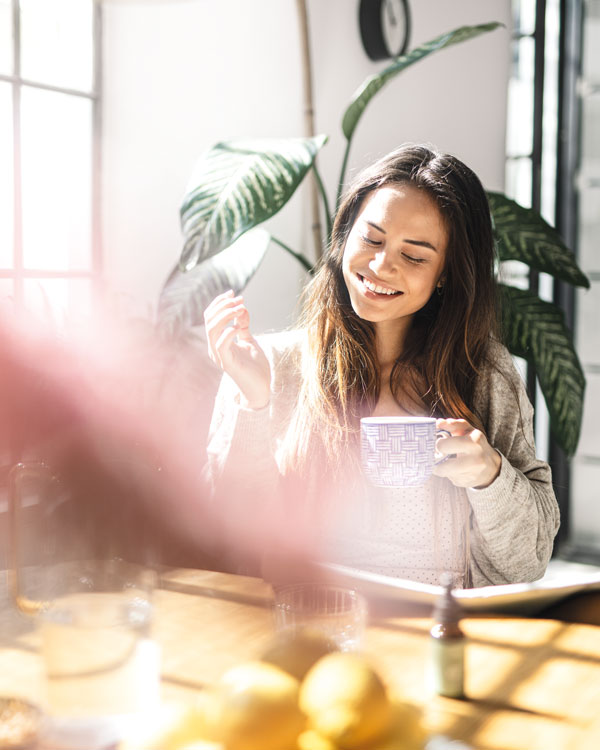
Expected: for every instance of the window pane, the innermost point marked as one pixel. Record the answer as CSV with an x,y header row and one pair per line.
x,y
519,136
56,42
6,47
57,161
589,229
6,176
590,143
524,16
518,181
55,299
550,114
591,43
6,296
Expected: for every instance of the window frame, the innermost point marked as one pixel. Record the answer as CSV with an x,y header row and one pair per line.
x,y
17,272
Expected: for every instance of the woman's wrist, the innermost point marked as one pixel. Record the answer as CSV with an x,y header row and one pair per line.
x,y
255,404
494,471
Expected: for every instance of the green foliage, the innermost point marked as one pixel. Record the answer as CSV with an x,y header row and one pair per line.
x,y
375,83
536,331
522,234
185,295
238,185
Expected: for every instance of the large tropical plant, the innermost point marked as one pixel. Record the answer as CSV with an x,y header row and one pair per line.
x,y
238,185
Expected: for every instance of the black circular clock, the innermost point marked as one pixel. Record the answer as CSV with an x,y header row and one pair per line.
x,y
384,27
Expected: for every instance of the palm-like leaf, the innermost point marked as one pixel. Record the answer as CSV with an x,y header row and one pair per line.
x,y
536,331
237,185
373,84
186,294
522,234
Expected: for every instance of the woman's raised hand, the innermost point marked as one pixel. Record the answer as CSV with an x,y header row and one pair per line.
x,y
475,463
236,351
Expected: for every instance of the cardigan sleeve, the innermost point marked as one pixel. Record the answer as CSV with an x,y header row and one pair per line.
x,y
515,519
242,442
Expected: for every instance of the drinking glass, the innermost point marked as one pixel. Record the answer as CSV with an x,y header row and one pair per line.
x,y
339,613
101,665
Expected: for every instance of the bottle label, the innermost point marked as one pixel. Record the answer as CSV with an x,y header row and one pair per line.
x,y
447,667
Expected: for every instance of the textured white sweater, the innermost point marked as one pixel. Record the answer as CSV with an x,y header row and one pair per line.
x,y
501,534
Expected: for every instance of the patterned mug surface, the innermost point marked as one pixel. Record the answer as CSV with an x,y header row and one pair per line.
x,y
399,451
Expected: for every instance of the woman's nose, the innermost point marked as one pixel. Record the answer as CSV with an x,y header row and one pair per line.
x,y
382,262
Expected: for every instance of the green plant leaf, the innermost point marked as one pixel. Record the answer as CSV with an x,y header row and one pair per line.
x,y
522,234
186,294
536,331
363,95
237,185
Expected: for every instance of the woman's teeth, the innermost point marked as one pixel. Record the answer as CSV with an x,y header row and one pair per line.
x,y
378,289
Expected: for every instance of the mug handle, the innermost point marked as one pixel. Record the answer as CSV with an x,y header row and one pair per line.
x,y
19,473
438,435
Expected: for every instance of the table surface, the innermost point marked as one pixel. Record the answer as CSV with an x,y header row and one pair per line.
x,y
530,683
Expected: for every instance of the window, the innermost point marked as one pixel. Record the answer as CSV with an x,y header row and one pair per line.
x,y
49,155
532,173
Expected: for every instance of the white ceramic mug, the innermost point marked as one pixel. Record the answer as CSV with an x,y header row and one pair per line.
x,y
399,451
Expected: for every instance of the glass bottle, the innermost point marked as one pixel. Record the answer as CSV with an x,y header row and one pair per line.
x,y
447,644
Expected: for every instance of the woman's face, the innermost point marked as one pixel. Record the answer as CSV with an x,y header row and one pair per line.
x,y
395,253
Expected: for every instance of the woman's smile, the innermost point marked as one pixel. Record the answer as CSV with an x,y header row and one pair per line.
x,y
377,288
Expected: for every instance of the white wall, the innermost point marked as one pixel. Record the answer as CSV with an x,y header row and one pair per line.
x,y
181,75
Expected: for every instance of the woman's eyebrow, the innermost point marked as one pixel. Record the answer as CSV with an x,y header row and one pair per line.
x,y
421,243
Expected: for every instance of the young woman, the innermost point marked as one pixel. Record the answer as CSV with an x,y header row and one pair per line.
x,y
400,319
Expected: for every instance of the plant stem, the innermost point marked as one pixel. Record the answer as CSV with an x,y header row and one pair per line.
x,y
299,257
342,177
325,201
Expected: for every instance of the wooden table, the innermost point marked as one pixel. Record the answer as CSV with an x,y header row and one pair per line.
x,y
531,683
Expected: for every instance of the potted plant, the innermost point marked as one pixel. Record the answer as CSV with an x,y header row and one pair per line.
x,y
238,185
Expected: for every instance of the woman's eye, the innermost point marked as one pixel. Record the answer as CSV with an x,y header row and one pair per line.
x,y
369,240
412,259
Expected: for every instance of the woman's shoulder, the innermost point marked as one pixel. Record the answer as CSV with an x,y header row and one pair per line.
x,y
498,377
498,363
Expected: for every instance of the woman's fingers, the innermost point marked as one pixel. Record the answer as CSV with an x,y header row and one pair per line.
x,y
222,348
225,311
474,463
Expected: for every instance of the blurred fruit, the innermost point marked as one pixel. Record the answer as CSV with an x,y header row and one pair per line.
x,y
296,652
311,740
177,726
406,730
259,708
346,701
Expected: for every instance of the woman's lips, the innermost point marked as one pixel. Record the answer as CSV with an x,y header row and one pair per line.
x,y
377,289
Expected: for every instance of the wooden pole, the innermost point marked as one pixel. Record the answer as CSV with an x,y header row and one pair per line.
x,y
309,122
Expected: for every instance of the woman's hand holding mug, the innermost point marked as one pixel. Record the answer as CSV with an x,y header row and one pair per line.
x,y
233,348
475,463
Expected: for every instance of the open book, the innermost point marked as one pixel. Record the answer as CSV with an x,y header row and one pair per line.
x,y
562,579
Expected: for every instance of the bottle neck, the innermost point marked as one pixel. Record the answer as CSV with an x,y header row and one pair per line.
x,y
447,630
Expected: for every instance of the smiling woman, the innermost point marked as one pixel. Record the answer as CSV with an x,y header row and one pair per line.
x,y
399,320
395,252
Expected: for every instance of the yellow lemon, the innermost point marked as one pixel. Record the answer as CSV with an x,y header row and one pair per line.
x,y
311,740
407,731
177,726
296,652
259,708
345,700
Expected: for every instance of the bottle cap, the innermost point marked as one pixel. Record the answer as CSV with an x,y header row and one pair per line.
x,y
447,610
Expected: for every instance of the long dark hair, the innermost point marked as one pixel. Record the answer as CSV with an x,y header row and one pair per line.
x,y
446,346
